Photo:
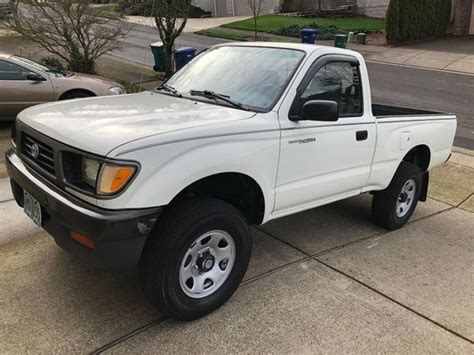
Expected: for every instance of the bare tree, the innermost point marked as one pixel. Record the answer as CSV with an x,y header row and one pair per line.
x,y
256,8
170,18
71,30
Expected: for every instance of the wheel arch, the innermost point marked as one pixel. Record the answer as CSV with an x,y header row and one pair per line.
x,y
238,189
419,155
70,91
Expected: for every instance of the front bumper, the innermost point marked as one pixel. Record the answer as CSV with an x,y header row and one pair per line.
x,y
119,235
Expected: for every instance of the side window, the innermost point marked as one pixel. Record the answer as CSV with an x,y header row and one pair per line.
x,y
10,71
340,82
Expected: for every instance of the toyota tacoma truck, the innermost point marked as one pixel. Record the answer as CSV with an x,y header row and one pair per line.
x,y
170,180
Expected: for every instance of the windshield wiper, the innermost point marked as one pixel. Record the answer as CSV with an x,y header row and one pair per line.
x,y
212,95
169,89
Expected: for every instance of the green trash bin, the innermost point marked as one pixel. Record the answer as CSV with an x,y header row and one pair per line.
x,y
340,41
158,50
361,38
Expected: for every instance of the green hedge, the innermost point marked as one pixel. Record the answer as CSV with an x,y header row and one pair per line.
x,y
416,19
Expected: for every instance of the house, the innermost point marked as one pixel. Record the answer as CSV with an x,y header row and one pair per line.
x,y
222,8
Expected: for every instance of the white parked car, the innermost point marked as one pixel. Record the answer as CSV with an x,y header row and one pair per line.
x,y
172,179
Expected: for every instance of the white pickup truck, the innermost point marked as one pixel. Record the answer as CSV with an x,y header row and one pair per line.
x,y
171,180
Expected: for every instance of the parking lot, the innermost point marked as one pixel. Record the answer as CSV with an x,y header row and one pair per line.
x,y
326,280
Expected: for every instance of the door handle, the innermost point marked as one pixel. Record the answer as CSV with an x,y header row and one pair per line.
x,y
361,135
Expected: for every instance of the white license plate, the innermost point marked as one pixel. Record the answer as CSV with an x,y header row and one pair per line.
x,y
32,208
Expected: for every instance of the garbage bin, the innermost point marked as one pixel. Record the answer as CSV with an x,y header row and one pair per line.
x,y
361,38
158,50
183,55
340,41
308,35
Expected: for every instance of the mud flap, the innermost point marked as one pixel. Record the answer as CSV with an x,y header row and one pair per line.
x,y
424,188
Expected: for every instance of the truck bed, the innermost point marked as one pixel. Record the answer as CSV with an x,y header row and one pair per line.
x,y
381,111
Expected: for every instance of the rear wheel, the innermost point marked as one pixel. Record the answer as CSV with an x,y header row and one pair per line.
x,y
393,207
196,258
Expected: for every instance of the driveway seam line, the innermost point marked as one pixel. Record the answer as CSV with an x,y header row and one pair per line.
x,y
465,200
2,201
395,301
129,335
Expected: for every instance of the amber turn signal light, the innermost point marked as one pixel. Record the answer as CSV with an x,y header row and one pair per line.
x,y
83,240
113,178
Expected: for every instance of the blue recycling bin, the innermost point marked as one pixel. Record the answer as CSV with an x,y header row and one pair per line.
x,y
308,35
183,55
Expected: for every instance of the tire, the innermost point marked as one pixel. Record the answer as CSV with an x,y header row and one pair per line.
x,y
76,94
393,207
176,252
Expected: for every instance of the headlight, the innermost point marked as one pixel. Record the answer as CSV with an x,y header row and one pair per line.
x,y
112,178
99,178
90,170
117,90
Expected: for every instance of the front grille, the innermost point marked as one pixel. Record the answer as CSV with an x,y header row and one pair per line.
x,y
40,153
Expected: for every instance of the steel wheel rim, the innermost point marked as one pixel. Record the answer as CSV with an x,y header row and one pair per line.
x,y
207,264
406,198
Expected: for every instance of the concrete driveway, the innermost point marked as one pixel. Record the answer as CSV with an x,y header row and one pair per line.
x,y
325,280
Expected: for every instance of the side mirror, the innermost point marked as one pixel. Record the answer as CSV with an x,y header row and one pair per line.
x,y
319,110
34,77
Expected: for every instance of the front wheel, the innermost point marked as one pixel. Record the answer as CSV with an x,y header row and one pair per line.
x,y
393,207
196,258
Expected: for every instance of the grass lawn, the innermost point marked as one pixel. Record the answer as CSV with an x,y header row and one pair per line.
x,y
271,23
222,33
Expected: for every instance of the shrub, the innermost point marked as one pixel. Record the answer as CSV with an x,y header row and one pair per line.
x,y
52,62
411,20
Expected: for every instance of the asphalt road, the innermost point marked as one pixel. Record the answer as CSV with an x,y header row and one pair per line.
x,y
395,85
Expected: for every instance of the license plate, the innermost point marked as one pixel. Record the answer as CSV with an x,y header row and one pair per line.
x,y
32,208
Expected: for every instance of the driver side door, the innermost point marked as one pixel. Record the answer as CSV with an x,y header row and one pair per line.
x,y
17,92
324,161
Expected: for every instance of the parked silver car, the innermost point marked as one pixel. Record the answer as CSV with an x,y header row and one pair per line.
x,y
24,83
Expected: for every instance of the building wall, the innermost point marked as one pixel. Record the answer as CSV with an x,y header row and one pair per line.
x,y
372,8
268,7
309,5
241,7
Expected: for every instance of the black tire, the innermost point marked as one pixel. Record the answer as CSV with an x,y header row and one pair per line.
x,y
384,203
178,228
76,94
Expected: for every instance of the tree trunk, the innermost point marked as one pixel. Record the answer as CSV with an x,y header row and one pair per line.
x,y
169,60
255,26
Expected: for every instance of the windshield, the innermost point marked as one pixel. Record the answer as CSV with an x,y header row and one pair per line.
x,y
251,76
41,67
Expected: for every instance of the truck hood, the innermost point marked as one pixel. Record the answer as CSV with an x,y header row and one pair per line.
x,y
98,125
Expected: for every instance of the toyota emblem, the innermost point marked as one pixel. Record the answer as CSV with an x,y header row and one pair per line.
x,y
35,150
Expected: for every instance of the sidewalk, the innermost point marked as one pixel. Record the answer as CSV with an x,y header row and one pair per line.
x,y
425,55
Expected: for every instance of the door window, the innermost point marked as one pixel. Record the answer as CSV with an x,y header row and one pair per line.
x,y
10,71
336,81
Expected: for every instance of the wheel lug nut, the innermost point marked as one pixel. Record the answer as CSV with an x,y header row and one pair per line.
x,y
223,264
